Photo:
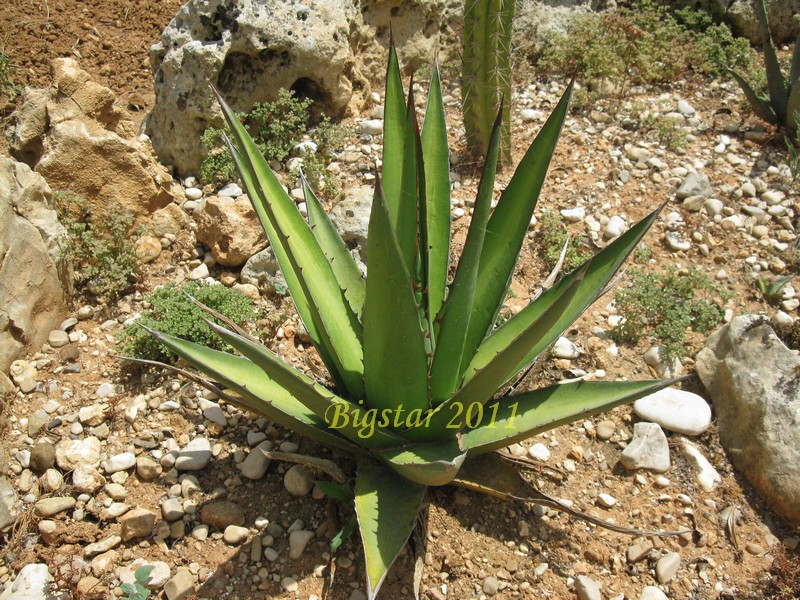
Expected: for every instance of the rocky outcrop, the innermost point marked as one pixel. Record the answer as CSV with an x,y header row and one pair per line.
x,y
78,139
32,299
230,228
741,16
249,50
754,383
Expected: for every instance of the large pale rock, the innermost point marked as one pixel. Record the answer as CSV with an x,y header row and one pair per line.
x,y
754,383
32,297
351,217
76,136
230,228
740,14
31,583
250,49
262,270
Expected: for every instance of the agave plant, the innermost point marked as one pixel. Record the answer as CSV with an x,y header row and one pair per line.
x,y
784,95
417,365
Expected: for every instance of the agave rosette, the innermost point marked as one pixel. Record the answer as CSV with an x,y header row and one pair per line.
x,y
417,364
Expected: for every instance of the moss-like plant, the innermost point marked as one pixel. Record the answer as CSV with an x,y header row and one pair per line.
x,y
417,366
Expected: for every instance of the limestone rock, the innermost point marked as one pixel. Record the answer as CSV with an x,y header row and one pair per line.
x,y
230,228
9,504
744,22
753,381
647,450
70,454
351,217
262,270
76,136
675,410
31,583
32,298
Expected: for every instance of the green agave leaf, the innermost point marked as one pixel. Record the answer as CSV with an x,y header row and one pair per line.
x,y
508,225
778,93
598,272
298,252
258,393
394,125
347,418
427,464
344,266
406,225
524,415
760,105
396,366
794,70
386,506
435,227
452,353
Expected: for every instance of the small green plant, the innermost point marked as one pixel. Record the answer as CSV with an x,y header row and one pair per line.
x,y
662,306
643,253
669,132
792,145
554,236
277,128
138,590
8,86
486,74
772,291
174,313
784,94
417,367
103,259
713,47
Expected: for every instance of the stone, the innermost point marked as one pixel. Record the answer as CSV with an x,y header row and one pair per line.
x,y
664,367
564,348
91,587
647,450
605,429
707,475
743,20
539,452
675,410
289,584
137,523
230,228
606,500
172,509
70,454
34,271
24,374
47,507
194,456
298,540
79,139
147,248
685,108
256,463
676,242
491,585
169,220
651,592
222,513
667,566
58,338
351,217
752,380
371,126
695,184
9,504
587,588
92,415
298,481
262,270
235,535
614,228
31,583
102,546
181,585
86,479
43,456
638,551
147,468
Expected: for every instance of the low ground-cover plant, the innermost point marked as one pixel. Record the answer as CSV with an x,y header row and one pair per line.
x,y
100,250
554,234
278,128
417,367
173,312
661,306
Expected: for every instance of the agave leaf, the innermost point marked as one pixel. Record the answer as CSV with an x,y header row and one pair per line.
x,y
344,266
396,365
793,109
386,506
427,464
259,394
778,93
452,353
394,125
794,68
525,415
313,279
435,228
760,106
598,272
338,413
406,222
508,224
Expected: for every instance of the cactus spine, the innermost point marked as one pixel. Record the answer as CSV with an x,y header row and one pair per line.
x,y
486,73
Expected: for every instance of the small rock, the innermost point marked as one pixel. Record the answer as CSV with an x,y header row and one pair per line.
x,y
539,452
234,534
685,108
43,457
647,450
754,549
707,475
298,481
675,410
667,566
47,507
614,228
232,190
298,540
565,349
147,248
656,357
605,429
58,338
137,523
91,587
70,454
638,551
24,374
199,272
120,462
256,463
193,193
86,479
172,509
695,184
371,126
102,546
147,468
181,586
104,390
221,514
676,242
587,588
31,583
9,509
606,500
194,456
289,584
651,592
491,585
